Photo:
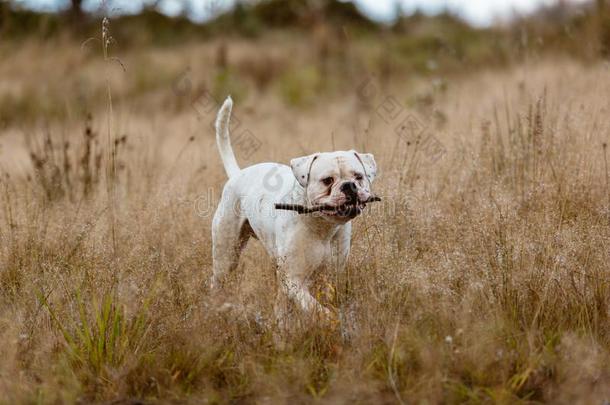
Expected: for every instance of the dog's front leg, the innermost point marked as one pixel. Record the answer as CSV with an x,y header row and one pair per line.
x,y
340,248
293,275
296,289
338,261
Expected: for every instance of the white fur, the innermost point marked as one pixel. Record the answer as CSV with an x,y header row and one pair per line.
x,y
300,244
222,138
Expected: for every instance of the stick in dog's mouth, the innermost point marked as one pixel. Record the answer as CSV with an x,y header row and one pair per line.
x,y
301,209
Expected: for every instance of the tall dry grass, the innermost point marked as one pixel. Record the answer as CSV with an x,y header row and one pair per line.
x,y
482,278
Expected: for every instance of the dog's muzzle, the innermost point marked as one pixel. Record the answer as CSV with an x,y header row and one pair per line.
x,y
350,189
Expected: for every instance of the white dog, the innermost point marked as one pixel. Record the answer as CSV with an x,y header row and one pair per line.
x,y
300,244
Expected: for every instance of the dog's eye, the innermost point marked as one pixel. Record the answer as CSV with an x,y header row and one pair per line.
x,y
358,176
327,181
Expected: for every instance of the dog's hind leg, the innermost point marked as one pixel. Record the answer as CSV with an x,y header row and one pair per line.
x,y
230,233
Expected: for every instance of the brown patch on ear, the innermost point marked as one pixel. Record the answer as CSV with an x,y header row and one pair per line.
x,y
368,164
309,168
301,168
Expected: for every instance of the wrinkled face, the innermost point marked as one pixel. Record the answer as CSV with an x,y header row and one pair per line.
x,y
340,180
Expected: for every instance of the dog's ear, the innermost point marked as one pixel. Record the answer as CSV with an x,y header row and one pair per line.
x,y
301,166
368,161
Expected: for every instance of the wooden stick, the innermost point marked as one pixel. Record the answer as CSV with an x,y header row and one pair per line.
x,y
301,209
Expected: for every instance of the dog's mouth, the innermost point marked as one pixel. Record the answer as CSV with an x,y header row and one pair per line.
x,y
347,210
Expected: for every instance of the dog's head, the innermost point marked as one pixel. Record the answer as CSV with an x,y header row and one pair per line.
x,y
338,179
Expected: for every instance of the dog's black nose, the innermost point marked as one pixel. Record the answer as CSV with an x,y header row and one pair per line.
x,y
350,190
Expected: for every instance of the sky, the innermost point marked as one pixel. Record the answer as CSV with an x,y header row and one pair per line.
x,y
477,12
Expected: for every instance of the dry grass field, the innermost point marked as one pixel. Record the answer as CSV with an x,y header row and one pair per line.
x,y
482,277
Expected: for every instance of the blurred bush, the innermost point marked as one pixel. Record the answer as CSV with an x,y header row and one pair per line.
x,y
562,26
300,49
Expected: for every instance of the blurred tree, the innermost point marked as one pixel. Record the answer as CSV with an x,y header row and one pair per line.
x,y
77,8
150,6
76,16
4,13
603,27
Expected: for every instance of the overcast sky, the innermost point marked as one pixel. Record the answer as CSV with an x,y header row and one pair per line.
x,y
478,12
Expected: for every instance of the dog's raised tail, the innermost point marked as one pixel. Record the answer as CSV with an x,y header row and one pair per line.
x,y
222,138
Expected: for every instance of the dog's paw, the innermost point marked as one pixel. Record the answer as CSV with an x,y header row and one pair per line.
x,y
331,318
